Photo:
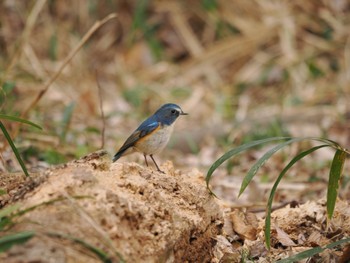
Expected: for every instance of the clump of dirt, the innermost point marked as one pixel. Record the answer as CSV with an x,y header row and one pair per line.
x,y
128,211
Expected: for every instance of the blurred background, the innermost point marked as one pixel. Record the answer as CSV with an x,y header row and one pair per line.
x,y
243,70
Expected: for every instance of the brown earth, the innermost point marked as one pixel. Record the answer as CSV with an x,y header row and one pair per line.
x,y
136,214
121,208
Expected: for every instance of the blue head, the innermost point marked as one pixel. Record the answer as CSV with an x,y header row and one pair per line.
x,y
168,113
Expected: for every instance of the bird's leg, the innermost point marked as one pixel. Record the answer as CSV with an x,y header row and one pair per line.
x,y
156,164
144,155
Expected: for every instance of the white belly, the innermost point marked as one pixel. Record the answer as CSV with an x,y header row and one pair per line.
x,y
155,142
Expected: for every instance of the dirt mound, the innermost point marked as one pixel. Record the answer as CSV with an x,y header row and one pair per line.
x,y
123,209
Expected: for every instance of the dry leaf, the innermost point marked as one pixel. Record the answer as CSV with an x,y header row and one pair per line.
x,y
284,238
224,250
244,225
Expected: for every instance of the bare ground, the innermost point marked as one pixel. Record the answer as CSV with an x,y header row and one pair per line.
x,y
139,215
122,208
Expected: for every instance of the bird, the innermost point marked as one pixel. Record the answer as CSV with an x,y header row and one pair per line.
x,y
153,134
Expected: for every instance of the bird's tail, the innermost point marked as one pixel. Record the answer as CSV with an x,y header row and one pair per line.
x,y
118,155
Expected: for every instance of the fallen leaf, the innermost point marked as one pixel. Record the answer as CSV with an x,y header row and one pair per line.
x,y
284,238
314,238
244,225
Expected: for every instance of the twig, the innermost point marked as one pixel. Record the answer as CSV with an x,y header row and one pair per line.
x,y
34,13
101,109
91,31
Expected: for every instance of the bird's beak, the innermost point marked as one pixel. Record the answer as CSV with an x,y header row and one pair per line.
x,y
183,113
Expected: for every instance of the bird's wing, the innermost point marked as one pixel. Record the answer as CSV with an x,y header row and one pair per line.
x,y
143,130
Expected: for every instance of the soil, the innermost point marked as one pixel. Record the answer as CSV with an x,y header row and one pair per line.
x,y
132,213
136,214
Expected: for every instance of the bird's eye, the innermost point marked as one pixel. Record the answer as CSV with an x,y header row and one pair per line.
x,y
173,111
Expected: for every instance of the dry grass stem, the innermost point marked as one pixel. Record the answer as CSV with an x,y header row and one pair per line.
x,y
101,110
33,16
70,56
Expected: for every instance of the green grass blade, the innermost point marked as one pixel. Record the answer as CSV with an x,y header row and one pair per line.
x,y
331,143
13,118
14,149
50,202
236,151
6,211
333,182
98,252
8,241
262,160
251,173
6,222
103,256
5,216
311,252
67,117
274,188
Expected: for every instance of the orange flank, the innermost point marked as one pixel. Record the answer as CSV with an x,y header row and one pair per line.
x,y
147,135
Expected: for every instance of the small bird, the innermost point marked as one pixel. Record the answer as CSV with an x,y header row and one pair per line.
x,y
153,134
